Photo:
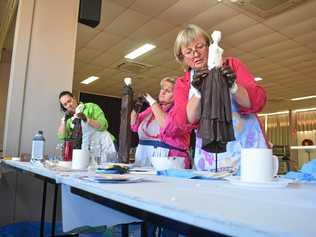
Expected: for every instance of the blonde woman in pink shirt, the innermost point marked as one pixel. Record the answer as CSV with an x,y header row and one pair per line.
x,y
159,134
191,49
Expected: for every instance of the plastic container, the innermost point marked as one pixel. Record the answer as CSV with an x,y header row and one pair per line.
x,y
38,147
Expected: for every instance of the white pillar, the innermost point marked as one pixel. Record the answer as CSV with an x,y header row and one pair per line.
x,y
42,65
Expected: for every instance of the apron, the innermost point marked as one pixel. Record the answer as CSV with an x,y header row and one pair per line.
x,y
148,132
103,139
248,134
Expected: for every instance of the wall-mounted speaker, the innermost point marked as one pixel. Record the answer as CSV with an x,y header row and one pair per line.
x,y
90,12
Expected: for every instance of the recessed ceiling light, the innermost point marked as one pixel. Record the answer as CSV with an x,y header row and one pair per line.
x,y
275,113
89,80
140,51
304,98
304,110
258,79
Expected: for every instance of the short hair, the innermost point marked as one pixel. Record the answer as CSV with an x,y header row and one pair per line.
x,y
61,94
65,93
172,80
185,37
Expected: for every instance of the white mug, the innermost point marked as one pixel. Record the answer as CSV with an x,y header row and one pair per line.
x,y
258,165
80,159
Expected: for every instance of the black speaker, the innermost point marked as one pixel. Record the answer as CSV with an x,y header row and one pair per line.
x,y
90,12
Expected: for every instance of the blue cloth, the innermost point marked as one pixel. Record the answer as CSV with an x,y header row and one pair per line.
x,y
307,173
185,174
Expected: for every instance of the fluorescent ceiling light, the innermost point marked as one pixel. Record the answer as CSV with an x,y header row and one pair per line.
x,y
140,51
89,80
258,79
281,112
304,98
304,110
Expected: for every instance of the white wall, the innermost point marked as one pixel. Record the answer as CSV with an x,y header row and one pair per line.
x,y
42,66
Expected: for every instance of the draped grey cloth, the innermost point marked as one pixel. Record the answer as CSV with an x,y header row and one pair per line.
x,y
216,126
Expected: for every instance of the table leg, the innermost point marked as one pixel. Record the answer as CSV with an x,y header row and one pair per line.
x,y
43,208
143,229
54,209
124,230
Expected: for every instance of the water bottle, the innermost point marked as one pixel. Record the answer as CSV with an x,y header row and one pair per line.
x,y
38,145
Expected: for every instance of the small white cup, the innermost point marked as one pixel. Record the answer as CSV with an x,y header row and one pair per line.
x,y
258,165
80,159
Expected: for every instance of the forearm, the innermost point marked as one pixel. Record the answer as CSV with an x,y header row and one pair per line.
x,y
61,128
242,97
193,109
93,123
133,117
159,114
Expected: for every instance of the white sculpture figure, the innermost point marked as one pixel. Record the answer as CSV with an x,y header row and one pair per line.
x,y
215,52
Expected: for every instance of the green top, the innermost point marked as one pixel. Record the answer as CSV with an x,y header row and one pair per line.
x,y
92,111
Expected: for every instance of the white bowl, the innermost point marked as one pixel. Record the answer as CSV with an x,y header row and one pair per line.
x,y
164,163
64,164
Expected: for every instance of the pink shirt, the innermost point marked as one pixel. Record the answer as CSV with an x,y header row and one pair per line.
x,y
174,132
256,93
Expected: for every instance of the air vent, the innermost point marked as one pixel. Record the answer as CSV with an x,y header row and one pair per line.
x,y
133,67
266,8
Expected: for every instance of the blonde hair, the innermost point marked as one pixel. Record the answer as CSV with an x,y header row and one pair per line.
x,y
172,80
185,37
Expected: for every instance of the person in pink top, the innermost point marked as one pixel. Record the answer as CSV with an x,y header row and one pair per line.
x,y
158,130
191,49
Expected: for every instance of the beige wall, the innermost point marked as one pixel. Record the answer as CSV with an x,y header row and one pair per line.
x,y
42,66
4,82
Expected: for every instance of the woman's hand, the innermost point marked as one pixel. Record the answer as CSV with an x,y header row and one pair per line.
x,y
150,99
82,116
198,78
228,74
138,104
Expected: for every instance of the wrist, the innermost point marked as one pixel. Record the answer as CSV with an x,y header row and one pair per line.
x,y
234,89
196,92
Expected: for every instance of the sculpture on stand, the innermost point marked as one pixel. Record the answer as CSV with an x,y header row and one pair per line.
x,y
125,132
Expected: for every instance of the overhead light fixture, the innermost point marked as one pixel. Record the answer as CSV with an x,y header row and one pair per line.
x,y
258,79
304,98
140,51
304,110
275,113
89,80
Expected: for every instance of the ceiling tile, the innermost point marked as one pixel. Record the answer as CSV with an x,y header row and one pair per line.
x,y
183,10
103,41
145,7
212,16
234,24
128,22
293,16
247,34
263,41
146,32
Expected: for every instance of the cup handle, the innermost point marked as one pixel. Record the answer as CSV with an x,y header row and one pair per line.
x,y
275,165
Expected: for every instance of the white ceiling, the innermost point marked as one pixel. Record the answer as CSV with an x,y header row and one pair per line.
x,y
274,38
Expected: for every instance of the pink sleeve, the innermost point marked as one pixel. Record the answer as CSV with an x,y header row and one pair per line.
x,y
256,93
176,121
139,119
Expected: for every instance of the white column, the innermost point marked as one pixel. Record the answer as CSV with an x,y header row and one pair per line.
x,y
42,66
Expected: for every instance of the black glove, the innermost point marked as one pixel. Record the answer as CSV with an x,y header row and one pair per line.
x,y
138,104
228,74
67,115
198,78
82,116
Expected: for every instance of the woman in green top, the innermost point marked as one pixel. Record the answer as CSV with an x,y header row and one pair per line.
x,y
91,114
93,122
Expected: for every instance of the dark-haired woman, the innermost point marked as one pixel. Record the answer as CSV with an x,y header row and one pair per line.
x,y
93,122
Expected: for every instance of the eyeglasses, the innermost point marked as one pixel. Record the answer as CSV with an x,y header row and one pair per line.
x,y
189,52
